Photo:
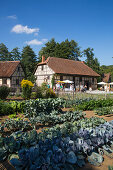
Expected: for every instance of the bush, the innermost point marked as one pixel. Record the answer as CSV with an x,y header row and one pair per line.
x,y
44,92
39,92
26,88
4,92
50,93
5,109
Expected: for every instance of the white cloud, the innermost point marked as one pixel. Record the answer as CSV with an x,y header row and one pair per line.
x,y
12,17
44,40
35,42
35,33
24,29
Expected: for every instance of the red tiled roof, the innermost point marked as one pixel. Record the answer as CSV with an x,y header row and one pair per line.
x,y
106,77
7,68
65,66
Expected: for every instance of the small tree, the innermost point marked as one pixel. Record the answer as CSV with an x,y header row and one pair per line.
x,y
26,88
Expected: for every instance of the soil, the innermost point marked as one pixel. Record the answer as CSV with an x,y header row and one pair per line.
x,y
90,114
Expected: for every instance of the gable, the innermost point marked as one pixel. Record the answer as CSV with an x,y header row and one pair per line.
x,y
7,68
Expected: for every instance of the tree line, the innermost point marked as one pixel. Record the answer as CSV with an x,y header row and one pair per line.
x,y
66,49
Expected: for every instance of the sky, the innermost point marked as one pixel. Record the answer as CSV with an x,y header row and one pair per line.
x,y
34,22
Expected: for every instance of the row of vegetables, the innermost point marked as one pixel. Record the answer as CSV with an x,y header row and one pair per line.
x,y
55,148
66,145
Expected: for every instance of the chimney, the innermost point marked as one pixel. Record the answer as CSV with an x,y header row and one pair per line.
x,y
43,59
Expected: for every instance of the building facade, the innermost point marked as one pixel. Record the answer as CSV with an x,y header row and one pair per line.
x,y
11,74
63,69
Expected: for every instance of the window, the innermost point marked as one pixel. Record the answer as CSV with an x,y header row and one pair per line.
x,y
61,78
42,67
4,81
17,81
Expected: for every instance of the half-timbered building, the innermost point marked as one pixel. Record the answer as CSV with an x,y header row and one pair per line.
x,y
65,69
11,74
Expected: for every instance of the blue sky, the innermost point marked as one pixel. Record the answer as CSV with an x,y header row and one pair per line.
x,y
33,22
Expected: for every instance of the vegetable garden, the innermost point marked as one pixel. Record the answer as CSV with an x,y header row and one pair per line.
x,y
67,140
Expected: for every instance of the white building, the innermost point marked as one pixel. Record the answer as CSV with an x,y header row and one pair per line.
x,y
64,69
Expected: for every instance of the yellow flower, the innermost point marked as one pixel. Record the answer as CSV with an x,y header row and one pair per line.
x,y
25,83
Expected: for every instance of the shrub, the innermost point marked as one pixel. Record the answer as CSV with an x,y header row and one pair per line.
x,y
26,88
4,92
38,92
5,109
50,93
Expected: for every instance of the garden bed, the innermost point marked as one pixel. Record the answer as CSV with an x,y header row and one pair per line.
x,y
90,114
46,116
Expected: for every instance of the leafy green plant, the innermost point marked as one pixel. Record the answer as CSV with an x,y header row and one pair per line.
x,y
93,104
5,108
38,92
110,167
104,111
50,93
4,92
34,107
12,116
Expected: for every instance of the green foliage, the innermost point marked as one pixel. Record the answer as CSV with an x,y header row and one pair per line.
x,y
66,49
93,104
12,116
107,69
110,167
104,111
53,81
16,124
17,106
34,107
4,92
8,108
56,117
5,108
28,61
4,53
16,55
44,91
26,88
39,92
50,93
91,61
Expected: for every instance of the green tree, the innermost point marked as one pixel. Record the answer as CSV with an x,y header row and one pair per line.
x,y
48,50
92,61
16,55
4,53
66,49
28,61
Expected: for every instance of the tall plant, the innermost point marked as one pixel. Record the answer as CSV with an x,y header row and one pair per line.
x,y
26,88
